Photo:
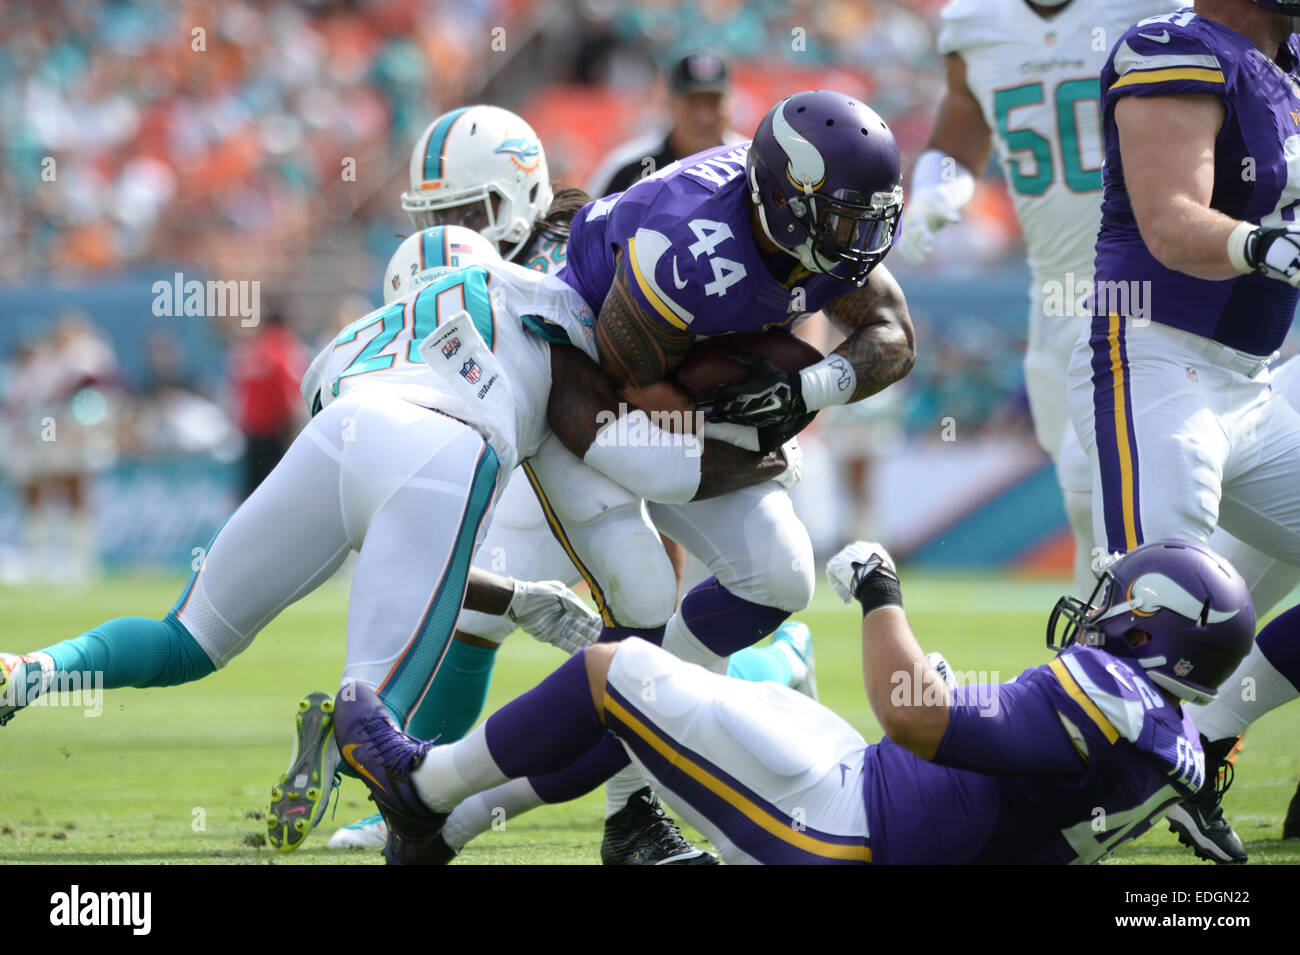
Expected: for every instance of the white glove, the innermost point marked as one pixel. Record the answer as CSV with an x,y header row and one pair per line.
x,y
793,455
552,613
926,214
846,569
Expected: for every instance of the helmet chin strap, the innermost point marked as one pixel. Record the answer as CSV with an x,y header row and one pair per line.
x,y
757,199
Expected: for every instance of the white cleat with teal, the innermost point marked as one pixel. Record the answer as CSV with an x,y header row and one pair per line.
x,y
368,833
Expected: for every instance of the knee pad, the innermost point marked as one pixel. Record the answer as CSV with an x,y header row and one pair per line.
x,y
778,575
624,555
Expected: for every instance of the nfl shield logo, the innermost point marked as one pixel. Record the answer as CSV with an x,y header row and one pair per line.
x,y
395,281
1182,668
450,348
470,371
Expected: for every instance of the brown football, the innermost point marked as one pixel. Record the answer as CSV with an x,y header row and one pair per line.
x,y
708,366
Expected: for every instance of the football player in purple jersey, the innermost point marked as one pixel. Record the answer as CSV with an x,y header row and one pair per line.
x,y
1174,402
742,239
1060,765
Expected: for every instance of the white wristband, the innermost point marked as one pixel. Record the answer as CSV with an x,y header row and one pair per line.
x,y
829,382
1237,240
650,462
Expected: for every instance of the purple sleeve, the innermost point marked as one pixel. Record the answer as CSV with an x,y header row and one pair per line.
x,y
1007,728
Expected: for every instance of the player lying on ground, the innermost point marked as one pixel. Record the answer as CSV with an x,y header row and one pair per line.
x,y
1002,773
424,406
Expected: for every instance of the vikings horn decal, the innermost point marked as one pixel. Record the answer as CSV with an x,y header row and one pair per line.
x,y
804,166
1154,592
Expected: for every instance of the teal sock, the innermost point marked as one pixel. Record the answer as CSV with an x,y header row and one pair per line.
x,y
134,651
757,664
456,699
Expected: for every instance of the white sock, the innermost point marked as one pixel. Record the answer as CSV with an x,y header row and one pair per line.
x,y
450,774
1254,688
1078,509
621,786
489,810
681,643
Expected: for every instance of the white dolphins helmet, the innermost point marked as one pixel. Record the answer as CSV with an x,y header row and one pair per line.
x,y
431,253
468,156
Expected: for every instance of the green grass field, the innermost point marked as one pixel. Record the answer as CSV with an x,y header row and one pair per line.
x,y
182,774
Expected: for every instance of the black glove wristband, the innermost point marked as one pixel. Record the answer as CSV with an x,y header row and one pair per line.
x,y
879,590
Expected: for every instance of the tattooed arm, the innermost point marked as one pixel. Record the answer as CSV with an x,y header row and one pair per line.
x,y
583,399
639,351
881,344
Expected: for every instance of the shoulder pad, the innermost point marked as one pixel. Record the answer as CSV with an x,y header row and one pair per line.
x,y
1162,57
659,275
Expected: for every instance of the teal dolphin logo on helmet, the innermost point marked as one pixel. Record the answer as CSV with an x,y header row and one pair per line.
x,y
522,152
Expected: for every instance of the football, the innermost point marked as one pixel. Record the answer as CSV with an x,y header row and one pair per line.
x,y
708,364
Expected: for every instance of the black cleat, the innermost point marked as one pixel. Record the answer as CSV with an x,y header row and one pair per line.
x,y
642,834
1198,820
1291,828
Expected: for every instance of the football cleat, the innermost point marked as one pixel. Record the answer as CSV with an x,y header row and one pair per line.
x,y
385,757
299,799
798,639
1291,827
1198,820
367,833
642,834
13,676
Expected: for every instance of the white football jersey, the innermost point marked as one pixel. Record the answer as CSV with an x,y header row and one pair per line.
x,y
490,366
1037,81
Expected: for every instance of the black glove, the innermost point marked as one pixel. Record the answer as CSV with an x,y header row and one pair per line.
x,y
766,397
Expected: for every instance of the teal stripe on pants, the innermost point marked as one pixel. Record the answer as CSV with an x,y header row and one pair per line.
x,y
404,687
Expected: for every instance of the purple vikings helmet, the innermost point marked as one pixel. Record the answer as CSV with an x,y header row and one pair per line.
x,y
825,174
1191,603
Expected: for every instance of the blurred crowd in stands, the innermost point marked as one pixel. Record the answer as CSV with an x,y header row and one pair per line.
x,y
142,135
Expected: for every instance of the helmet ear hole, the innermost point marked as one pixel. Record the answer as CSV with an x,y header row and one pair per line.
x,y
1136,638
532,193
